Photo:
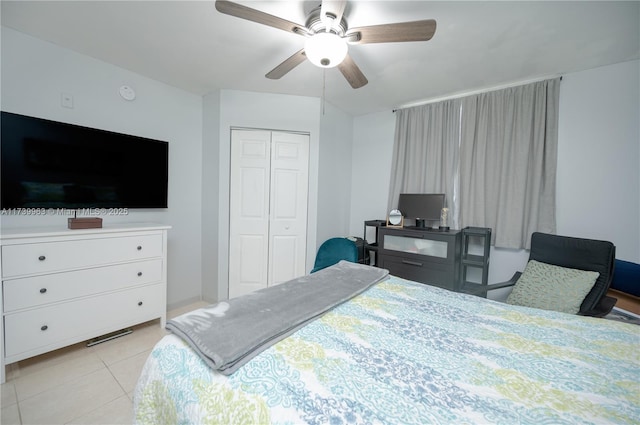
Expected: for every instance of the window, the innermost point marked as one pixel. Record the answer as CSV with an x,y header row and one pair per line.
x,y
493,154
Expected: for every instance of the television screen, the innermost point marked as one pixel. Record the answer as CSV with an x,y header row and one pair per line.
x,y
425,206
48,164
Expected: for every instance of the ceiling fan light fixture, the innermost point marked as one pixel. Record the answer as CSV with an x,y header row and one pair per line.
x,y
326,49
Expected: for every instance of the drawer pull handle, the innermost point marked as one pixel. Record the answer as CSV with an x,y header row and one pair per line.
x,y
43,290
44,328
139,303
412,263
139,273
42,258
139,248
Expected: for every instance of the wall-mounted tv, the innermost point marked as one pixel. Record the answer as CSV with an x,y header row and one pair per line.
x,y
425,206
49,164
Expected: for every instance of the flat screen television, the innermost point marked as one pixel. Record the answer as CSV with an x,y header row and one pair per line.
x,y
49,164
424,206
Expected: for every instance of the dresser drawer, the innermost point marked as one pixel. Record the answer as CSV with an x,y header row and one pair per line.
x,y
434,247
34,258
54,326
431,273
39,290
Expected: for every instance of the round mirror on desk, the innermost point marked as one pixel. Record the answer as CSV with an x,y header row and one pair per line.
x,y
395,219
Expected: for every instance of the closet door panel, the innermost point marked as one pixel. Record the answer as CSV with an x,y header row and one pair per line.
x,y
249,211
284,253
289,194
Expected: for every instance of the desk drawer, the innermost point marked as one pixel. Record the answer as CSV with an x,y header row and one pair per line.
x,y
62,324
436,274
34,258
39,290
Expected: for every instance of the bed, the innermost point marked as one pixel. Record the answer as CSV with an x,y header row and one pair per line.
x,y
401,352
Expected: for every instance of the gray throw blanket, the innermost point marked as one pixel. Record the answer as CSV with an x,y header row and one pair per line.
x,y
228,334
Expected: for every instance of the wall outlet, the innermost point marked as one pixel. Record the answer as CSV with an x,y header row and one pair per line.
x,y
66,100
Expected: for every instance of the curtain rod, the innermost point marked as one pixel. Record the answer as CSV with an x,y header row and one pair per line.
x,y
472,92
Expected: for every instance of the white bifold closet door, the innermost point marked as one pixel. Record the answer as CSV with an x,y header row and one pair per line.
x,y
267,208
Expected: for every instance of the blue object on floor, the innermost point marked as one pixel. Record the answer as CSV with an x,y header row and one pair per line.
x,y
626,277
333,250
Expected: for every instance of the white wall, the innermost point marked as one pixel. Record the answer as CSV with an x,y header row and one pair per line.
x,y
210,195
598,186
371,169
36,73
334,189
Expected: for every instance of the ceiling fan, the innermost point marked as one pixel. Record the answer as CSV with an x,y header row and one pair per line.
x,y
328,36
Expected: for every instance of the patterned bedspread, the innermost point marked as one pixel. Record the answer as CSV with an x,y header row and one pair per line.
x,y
407,353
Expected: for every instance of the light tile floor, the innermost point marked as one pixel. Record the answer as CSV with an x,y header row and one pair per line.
x,y
80,384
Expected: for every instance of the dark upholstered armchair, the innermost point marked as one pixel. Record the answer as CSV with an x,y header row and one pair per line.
x,y
575,253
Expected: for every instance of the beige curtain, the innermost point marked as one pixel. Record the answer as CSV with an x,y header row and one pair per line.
x,y
508,155
425,154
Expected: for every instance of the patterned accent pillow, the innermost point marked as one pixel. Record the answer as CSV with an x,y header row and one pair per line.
x,y
552,287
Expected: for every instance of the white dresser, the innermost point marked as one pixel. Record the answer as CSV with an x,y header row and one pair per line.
x,y
61,286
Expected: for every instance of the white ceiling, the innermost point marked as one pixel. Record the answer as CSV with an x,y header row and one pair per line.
x,y
477,44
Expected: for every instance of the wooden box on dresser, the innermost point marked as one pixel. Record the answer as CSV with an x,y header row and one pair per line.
x,y
61,286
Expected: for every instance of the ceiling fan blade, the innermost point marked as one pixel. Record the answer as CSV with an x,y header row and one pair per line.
x,y
333,8
244,12
352,73
286,66
391,33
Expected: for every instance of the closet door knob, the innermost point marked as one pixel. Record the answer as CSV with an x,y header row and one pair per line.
x,y
44,328
42,258
139,273
139,248
43,290
139,303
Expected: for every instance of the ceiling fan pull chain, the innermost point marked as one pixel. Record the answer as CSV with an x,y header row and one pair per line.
x,y
324,82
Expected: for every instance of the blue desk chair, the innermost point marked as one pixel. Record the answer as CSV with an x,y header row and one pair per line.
x,y
333,250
